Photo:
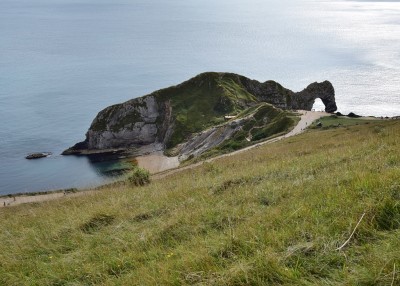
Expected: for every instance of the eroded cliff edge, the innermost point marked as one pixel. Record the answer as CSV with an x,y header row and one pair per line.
x,y
209,110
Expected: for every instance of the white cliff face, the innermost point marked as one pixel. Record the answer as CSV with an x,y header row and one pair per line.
x,y
142,111
141,133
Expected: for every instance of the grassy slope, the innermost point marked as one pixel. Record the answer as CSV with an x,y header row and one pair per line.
x,y
273,215
266,122
202,102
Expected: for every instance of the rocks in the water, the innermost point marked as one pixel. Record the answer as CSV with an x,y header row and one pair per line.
x,y
38,155
171,117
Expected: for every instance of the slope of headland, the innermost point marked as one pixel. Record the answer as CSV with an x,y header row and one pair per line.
x,y
319,208
210,113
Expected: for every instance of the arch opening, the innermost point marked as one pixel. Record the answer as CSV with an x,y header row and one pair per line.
x,y
318,105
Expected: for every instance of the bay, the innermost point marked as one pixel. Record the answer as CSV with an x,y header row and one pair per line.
x,y
62,61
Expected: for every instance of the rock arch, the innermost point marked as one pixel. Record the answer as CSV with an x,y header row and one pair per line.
x,y
305,99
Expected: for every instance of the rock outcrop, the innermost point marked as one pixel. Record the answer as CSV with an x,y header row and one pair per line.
x,y
134,122
37,155
190,118
305,99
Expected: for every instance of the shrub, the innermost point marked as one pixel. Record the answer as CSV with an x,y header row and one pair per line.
x,y
139,177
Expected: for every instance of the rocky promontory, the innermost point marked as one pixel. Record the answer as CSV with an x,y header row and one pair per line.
x,y
211,110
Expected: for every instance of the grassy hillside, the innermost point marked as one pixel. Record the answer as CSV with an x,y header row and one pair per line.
x,y
202,102
274,215
263,121
191,107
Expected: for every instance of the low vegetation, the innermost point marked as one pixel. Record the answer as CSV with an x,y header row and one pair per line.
x,y
202,102
138,177
206,99
334,121
273,215
263,122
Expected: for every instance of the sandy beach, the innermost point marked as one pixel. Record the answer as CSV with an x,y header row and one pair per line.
x,y
157,162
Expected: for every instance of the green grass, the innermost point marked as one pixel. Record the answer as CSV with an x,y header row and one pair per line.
x,y
264,121
273,215
138,177
334,121
202,102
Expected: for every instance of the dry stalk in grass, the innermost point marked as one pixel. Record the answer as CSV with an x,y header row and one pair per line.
x,y
394,274
351,235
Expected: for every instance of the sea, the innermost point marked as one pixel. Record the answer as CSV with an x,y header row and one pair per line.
x,y
62,61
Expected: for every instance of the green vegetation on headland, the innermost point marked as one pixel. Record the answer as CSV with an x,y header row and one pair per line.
x,y
202,102
273,215
262,121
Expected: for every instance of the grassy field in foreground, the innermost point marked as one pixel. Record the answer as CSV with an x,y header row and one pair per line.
x,y
273,215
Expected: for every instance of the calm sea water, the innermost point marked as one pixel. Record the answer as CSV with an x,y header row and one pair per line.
x,y
62,61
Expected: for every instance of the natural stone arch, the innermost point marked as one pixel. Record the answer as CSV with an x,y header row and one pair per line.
x,y
305,99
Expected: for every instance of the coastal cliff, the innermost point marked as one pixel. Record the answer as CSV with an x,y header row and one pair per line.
x,y
208,111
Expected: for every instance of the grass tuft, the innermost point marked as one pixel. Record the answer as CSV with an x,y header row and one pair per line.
x,y
388,216
96,223
138,177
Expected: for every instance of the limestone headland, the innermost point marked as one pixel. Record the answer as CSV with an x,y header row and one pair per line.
x,y
210,111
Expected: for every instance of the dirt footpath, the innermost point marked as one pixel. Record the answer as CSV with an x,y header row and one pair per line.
x,y
13,201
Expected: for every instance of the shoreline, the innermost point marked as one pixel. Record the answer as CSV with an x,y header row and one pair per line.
x,y
161,166
37,198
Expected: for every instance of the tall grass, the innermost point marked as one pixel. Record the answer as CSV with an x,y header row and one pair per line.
x,y
273,215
